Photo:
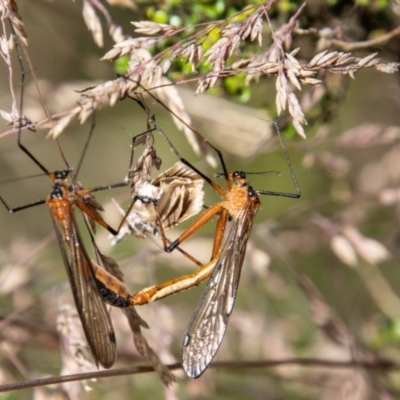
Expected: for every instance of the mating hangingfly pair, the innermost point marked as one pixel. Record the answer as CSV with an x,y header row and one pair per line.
x,y
209,321
92,286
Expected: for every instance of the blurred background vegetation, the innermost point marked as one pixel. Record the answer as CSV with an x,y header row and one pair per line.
x,y
321,276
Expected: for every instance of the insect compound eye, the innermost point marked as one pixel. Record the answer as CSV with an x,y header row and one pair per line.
x,y
61,174
239,175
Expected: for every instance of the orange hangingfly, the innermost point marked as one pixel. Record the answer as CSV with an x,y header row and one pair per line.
x,y
208,324
209,321
83,273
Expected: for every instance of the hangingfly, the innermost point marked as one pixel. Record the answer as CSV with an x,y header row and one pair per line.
x,y
92,310
81,270
208,324
209,321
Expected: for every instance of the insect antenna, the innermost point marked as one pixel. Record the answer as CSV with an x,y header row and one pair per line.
x,y
291,170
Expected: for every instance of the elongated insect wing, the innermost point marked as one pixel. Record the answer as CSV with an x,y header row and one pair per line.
x,y
208,324
92,311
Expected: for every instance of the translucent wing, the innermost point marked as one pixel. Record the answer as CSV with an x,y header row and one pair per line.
x,y
208,324
92,311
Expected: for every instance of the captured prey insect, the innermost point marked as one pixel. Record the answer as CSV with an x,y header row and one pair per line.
x,y
208,324
172,197
162,203
84,275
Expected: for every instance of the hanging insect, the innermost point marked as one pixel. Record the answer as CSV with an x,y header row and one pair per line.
x,y
84,276
172,197
209,321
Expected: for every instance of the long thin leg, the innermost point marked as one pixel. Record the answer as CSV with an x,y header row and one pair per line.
x,y
100,188
20,208
219,233
31,156
218,152
20,145
166,242
81,192
89,212
202,220
86,145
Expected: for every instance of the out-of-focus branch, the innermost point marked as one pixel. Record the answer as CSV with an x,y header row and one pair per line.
x,y
377,364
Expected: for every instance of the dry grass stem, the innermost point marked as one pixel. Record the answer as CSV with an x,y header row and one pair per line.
x,y
223,59
290,72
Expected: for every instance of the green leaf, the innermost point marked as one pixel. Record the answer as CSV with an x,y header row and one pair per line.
x,y
121,65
